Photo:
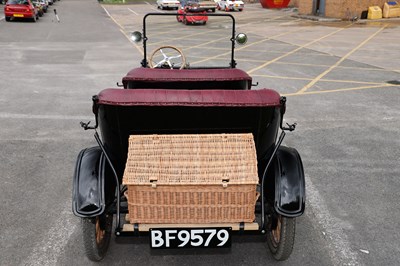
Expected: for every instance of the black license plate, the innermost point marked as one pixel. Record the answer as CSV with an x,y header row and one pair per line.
x,y
190,237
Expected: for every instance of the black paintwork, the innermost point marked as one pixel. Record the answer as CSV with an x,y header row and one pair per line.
x,y
118,122
289,199
94,180
88,198
284,180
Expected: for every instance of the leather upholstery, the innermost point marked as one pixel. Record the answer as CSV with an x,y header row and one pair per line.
x,y
189,78
195,98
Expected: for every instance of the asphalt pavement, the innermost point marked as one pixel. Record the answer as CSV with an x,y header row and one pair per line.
x,y
341,81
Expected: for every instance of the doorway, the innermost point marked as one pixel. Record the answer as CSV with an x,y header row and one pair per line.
x,y
319,7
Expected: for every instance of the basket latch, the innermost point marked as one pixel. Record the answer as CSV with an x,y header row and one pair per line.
x,y
153,182
225,182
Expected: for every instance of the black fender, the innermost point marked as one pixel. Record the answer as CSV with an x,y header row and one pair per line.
x,y
289,189
88,197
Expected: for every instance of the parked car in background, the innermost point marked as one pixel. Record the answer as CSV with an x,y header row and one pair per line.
x,y
20,9
208,5
231,5
45,5
38,5
168,4
196,14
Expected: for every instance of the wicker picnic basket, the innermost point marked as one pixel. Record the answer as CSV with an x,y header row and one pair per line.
x,y
198,178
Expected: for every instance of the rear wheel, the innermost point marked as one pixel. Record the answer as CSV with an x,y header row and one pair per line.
x,y
96,236
280,236
8,18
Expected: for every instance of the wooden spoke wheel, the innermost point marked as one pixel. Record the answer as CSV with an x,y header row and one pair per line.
x,y
280,236
96,236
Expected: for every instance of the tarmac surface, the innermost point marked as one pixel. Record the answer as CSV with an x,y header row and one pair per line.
x,y
341,79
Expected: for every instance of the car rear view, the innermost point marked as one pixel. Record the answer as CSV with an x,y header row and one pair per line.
x,y
19,9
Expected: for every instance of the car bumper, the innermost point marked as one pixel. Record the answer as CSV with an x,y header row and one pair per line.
x,y
19,14
170,5
236,8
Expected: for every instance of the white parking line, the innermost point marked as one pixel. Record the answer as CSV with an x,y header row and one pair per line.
x,y
106,11
332,228
133,12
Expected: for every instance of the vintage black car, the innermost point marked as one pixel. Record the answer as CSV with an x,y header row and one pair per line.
x,y
177,93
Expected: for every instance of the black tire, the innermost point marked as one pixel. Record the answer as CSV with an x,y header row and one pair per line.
x,y
96,236
281,239
8,18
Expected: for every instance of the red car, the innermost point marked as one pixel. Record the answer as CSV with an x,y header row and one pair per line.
x,y
20,9
192,15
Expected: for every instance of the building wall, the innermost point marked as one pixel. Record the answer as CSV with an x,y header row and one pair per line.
x,y
344,9
305,7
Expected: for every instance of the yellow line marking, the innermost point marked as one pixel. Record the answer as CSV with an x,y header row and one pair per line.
x,y
344,67
244,47
309,85
183,37
121,30
341,90
352,81
295,50
324,80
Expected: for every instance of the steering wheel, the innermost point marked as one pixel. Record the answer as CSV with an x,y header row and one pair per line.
x,y
166,60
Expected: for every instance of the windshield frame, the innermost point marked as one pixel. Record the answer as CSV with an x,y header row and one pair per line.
x,y
232,63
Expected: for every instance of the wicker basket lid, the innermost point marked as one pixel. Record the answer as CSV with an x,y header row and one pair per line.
x,y
195,159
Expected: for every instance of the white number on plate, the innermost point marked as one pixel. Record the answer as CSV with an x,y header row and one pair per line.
x,y
194,236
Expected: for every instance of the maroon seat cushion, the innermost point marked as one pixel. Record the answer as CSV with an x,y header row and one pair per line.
x,y
164,78
195,98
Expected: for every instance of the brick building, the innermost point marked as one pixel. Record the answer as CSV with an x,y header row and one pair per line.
x,y
344,9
